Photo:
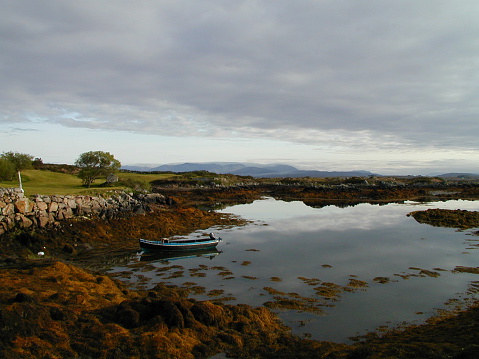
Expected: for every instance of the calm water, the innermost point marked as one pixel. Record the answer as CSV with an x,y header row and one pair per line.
x,y
295,249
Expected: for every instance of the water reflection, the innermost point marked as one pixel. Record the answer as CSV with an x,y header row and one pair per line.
x,y
357,268
169,256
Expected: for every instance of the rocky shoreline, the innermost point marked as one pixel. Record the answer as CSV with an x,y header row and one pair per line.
x,y
317,195
60,305
20,212
62,311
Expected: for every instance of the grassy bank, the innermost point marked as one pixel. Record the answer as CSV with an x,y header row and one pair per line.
x,y
50,183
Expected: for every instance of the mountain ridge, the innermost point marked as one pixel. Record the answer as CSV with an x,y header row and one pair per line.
x,y
248,169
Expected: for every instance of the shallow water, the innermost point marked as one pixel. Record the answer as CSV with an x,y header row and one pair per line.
x,y
297,250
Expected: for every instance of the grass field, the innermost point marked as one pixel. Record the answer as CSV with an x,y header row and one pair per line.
x,y
50,183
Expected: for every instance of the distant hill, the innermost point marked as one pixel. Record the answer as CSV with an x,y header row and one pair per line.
x,y
136,168
324,174
249,169
215,167
265,170
471,176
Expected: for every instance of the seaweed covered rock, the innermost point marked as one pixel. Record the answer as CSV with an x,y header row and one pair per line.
x,y
447,218
208,313
52,309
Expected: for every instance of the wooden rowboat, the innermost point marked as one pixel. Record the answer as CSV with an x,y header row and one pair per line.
x,y
179,245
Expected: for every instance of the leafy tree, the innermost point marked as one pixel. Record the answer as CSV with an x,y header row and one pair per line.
x,y
20,161
7,170
95,164
37,163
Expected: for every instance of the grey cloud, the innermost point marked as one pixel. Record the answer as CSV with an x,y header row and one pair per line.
x,y
402,69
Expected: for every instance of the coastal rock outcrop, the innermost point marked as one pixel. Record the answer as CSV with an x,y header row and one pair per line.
x,y
19,211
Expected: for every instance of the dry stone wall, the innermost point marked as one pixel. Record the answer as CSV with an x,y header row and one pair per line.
x,y
18,211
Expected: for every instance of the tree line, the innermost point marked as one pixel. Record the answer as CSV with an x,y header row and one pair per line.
x,y
92,165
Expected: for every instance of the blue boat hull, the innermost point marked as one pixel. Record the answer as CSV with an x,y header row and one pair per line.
x,y
178,246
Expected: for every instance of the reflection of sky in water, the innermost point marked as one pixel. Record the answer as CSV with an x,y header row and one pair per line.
x,y
293,240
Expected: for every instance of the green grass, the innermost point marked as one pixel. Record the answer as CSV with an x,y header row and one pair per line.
x,y
145,177
50,183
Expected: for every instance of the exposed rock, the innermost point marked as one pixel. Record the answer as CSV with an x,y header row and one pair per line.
x,y
44,220
23,205
22,221
42,206
22,298
9,209
53,207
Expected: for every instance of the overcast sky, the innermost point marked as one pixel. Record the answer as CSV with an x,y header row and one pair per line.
x,y
387,86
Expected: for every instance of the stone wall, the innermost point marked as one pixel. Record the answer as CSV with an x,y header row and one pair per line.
x,y
20,212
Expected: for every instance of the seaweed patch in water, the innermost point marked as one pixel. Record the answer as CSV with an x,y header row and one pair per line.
x,y
429,273
223,299
310,281
382,280
293,301
473,287
195,272
331,291
473,270
218,268
215,292
167,268
122,274
177,274
356,283
293,304
199,274
225,273
197,289
426,272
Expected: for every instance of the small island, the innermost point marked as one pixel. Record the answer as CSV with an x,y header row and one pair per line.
x,y
457,218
